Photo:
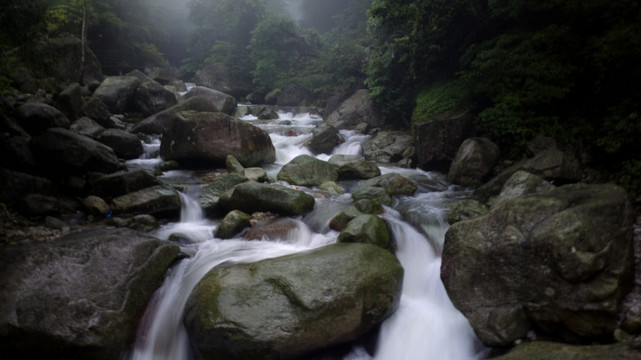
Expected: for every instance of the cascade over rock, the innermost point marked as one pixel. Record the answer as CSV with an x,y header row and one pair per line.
x,y
205,139
287,306
80,297
560,261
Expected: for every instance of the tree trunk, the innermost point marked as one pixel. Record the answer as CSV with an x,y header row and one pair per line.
x,y
83,40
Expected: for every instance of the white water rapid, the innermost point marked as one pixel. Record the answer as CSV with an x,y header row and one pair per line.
x,y
426,325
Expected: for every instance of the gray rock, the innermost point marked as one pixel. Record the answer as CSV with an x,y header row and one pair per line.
x,y
125,144
209,197
438,140
159,201
206,139
160,123
233,223
143,222
69,101
366,229
389,147
537,350
372,193
332,187
294,304
14,185
151,98
36,118
233,165
223,102
252,196
270,229
95,109
522,183
122,182
324,139
255,174
39,205
81,297
95,206
393,183
87,127
306,170
560,262
117,92
359,108
465,210
60,150
474,161
354,167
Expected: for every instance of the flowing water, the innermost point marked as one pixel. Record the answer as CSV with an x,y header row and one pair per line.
x,y
425,326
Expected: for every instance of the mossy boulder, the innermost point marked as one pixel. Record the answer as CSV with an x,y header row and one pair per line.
x,y
160,122
465,209
209,196
366,229
292,305
233,223
306,170
393,183
159,201
354,167
253,197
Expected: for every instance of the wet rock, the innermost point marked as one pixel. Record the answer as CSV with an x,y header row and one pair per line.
x,y
556,351
86,127
306,170
117,92
151,98
125,144
474,161
233,223
36,118
559,262
80,297
201,139
274,230
324,139
209,197
551,165
143,222
251,197
393,183
465,210
372,193
223,102
522,183
122,182
159,201
354,167
359,108
389,147
233,165
438,140
69,101
95,206
255,174
366,229
95,109
61,150
332,187
339,222
281,309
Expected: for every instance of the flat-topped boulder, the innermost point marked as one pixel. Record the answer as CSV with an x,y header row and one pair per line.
x,y
252,196
307,170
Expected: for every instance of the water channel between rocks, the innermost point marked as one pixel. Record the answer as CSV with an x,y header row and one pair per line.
x,y
426,324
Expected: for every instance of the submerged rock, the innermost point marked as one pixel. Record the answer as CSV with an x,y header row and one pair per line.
x,y
288,306
80,297
559,262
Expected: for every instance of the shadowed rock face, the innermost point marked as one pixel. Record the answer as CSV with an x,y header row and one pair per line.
x,y
287,306
206,139
80,297
560,261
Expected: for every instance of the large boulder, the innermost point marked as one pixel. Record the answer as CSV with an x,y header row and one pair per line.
x,y
288,306
252,196
151,98
14,185
160,123
87,127
122,182
80,297
306,170
521,183
474,161
389,147
437,141
324,139
393,183
354,167
15,146
125,144
35,118
61,150
359,108
69,101
366,229
205,139
232,224
559,262
117,92
552,165
223,102
159,201
97,110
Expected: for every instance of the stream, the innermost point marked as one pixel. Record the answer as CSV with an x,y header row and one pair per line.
x,y
426,324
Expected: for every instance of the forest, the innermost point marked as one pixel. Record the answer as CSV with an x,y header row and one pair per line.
x,y
566,69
